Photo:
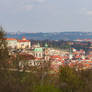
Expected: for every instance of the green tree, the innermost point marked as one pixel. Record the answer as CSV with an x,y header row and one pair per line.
x,y
86,76
69,80
4,53
46,88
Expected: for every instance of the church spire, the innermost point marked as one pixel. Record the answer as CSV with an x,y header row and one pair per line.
x,y
46,45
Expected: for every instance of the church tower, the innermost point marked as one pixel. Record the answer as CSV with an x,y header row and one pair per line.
x,y
46,52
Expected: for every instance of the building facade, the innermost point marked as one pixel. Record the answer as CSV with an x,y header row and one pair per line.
x,y
24,43
18,44
38,51
11,42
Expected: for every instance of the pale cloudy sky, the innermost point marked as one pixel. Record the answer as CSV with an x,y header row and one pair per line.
x,y
46,15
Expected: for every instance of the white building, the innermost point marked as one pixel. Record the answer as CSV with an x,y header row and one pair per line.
x,y
11,42
24,43
18,44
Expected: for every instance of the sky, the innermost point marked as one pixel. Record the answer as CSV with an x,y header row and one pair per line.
x,y
46,15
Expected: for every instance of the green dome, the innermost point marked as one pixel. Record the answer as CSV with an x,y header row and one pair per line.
x,y
38,49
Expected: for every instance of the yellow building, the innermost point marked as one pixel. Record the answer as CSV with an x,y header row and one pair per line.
x,y
24,43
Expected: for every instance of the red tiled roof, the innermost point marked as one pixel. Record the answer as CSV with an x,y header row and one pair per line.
x,y
10,39
56,56
27,56
78,56
38,58
23,40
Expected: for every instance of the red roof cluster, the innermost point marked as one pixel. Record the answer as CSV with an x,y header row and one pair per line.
x,y
23,39
10,39
27,56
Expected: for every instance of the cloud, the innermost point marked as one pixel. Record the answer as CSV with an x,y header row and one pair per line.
x,y
85,11
40,1
28,7
19,5
89,12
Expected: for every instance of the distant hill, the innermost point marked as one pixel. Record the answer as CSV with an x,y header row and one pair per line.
x,y
52,36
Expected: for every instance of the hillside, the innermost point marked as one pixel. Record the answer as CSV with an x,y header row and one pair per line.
x,y
53,36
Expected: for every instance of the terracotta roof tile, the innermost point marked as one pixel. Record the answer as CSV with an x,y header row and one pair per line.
x,y
10,39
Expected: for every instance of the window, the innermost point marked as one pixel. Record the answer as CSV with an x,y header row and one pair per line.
x,y
22,44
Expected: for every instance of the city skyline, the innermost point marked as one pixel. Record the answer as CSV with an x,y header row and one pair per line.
x,y
46,15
